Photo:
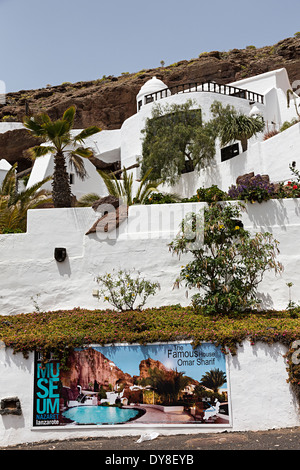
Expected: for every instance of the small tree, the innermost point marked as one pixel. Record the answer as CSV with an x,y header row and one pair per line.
x,y
123,189
176,137
230,263
125,292
232,125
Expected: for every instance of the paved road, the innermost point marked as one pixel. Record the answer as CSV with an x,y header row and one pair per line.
x,y
283,439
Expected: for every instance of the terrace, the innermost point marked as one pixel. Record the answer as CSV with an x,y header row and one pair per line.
x,y
210,87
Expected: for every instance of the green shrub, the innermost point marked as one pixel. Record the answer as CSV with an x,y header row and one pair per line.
x,y
160,198
9,118
229,263
212,194
288,124
123,291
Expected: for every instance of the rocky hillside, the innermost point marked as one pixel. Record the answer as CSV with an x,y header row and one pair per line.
x,y
108,101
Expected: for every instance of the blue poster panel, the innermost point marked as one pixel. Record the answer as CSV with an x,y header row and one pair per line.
x,y
130,384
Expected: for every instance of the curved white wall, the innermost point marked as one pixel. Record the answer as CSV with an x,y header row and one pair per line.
x,y
28,270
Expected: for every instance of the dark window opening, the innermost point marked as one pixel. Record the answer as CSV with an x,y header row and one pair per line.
x,y
149,99
140,103
72,178
188,167
239,94
229,152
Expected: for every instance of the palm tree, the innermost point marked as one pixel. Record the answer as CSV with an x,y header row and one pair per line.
x,y
167,384
234,126
214,379
57,134
14,205
123,189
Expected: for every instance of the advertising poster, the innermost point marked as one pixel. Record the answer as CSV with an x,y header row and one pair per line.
x,y
155,384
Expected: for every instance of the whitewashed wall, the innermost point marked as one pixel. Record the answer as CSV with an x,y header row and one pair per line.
x,y
10,126
29,274
260,399
271,157
131,137
260,395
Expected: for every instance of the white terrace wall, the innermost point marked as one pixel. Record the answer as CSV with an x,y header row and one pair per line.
x,y
30,276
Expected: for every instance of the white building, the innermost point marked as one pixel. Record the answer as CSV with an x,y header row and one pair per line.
x,y
265,94
5,166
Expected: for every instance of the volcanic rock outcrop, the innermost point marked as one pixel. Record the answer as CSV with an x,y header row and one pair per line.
x,y
109,101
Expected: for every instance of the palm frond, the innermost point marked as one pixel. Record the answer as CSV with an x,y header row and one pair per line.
x,y
127,186
39,151
30,192
88,132
145,190
10,218
9,185
83,152
146,187
76,163
31,124
69,116
124,188
88,199
112,185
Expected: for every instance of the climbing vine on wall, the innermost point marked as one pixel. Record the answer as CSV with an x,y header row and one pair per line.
x,y
63,330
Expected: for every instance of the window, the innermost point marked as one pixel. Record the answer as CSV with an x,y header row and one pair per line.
x,y
239,93
149,99
229,152
189,167
72,178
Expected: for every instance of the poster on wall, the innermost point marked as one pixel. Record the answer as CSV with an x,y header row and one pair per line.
x,y
131,384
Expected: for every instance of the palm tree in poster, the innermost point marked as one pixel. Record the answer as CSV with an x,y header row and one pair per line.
x,y
57,139
167,384
213,379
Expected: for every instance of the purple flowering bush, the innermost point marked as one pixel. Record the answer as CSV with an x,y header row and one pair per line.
x,y
253,189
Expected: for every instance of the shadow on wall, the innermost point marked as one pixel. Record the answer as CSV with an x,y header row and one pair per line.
x,y
266,300
271,213
64,267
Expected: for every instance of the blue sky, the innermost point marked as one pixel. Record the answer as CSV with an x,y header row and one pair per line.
x,y
128,358
51,42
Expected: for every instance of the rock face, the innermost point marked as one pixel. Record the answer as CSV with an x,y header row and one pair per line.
x,y
88,366
149,363
85,367
109,101
13,145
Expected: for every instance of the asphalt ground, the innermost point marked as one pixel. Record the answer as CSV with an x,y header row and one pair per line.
x,y
174,450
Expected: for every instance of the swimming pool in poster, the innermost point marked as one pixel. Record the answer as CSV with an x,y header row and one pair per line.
x,y
132,384
100,414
